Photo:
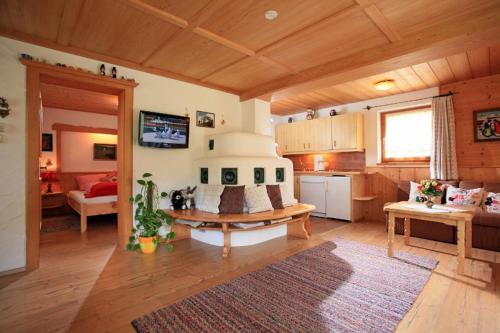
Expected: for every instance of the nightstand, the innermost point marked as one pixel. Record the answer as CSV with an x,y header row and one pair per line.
x,y
53,200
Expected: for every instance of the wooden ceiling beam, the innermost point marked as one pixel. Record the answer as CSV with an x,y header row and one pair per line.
x,y
74,107
382,23
24,37
194,27
426,45
83,129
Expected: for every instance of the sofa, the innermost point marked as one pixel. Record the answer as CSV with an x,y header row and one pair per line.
x,y
485,226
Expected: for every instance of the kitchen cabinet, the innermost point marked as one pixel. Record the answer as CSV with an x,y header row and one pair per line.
x,y
347,132
339,133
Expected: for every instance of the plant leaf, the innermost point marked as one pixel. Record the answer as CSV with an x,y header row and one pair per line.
x,y
170,247
147,174
141,181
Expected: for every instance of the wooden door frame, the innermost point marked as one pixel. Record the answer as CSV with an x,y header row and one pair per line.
x,y
37,73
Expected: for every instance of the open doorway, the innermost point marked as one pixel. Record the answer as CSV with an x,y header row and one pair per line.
x,y
78,164
38,75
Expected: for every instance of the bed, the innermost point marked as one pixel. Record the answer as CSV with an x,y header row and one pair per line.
x,y
101,205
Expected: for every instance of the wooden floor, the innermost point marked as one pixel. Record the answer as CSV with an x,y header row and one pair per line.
x,y
86,284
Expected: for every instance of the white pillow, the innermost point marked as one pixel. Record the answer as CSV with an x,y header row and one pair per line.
x,y
210,198
492,203
461,197
257,200
286,196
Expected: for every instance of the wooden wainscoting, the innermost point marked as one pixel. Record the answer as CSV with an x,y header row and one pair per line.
x,y
384,184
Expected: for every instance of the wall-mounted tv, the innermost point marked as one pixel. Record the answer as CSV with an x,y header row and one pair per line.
x,y
163,130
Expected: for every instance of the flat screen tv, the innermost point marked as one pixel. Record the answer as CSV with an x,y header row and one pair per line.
x,y
161,130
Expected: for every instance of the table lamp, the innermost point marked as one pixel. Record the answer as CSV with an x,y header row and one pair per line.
x,y
49,177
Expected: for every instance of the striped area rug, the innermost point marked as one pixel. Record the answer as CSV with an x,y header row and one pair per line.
x,y
340,286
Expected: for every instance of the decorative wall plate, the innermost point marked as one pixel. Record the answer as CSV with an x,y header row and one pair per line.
x,y
280,175
229,176
258,175
204,175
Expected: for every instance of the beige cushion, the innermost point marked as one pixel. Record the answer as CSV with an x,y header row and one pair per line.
x,y
257,200
210,198
286,196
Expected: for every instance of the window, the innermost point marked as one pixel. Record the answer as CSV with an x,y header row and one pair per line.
x,y
406,135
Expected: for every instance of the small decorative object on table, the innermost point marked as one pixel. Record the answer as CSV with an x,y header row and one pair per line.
x,y
177,199
151,221
430,189
49,177
189,197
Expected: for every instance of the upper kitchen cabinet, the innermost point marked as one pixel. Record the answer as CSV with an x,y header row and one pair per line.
x,y
339,133
347,132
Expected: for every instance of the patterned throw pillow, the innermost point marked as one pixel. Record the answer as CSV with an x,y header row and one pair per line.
x,y
232,199
210,198
458,196
257,199
492,203
274,193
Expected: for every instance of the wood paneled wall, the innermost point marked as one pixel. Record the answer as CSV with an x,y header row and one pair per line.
x,y
384,184
472,95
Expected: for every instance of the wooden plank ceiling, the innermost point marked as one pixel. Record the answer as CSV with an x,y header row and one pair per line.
x,y
229,45
67,98
463,66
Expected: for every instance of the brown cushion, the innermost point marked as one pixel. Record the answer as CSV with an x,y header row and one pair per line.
x,y
232,200
470,184
274,193
492,187
487,219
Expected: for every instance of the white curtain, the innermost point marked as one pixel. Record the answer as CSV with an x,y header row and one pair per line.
x,y
443,153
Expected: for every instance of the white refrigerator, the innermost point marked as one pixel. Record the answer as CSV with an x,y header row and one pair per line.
x,y
338,197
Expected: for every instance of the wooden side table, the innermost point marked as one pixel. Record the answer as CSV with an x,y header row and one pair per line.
x,y
53,200
457,217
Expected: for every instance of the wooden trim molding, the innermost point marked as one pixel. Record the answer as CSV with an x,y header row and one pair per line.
x,y
84,129
37,73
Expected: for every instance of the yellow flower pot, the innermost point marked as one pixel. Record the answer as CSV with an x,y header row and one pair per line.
x,y
148,244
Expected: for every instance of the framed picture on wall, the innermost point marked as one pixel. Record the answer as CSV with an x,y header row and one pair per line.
x,y
487,125
104,152
47,143
205,119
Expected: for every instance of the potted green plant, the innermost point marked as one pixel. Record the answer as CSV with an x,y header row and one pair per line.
x,y
149,217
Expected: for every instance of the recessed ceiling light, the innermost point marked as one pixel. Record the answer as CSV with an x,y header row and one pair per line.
x,y
384,85
271,15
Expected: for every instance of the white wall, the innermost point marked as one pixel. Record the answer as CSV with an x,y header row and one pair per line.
x,y
76,159
371,117
171,168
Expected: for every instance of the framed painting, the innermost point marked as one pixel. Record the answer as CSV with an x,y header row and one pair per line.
x,y
487,125
205,119
104,152
47,142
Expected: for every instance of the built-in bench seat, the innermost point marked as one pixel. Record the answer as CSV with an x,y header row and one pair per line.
x,y
299,226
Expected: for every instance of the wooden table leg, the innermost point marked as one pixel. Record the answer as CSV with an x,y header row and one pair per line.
x,y
468,238
460,246
227,240
307,224
298,229
390,235
407,231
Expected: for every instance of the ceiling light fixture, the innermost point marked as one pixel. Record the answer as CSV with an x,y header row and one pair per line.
x,y
384,85
271,15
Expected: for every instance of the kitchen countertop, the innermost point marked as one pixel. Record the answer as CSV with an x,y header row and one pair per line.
x,y
331,173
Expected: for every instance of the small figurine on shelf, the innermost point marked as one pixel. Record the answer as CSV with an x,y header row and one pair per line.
x,y
333,112
113,72
290,120
4,107
190,203
102,70
25,56
311,114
